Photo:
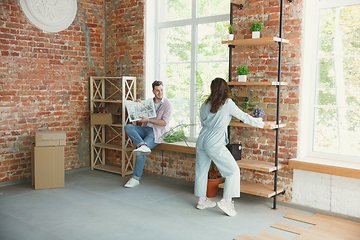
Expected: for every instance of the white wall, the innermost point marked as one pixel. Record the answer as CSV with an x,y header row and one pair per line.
x,y
327,192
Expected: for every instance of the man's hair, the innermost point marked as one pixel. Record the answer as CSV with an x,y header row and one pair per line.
x,y
156,83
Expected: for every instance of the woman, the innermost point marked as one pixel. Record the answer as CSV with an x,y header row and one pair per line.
x,y
215,116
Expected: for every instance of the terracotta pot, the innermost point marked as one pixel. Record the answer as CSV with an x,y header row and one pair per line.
x,y
212,187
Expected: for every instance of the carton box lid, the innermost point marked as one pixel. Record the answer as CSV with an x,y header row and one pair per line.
x,y
50,138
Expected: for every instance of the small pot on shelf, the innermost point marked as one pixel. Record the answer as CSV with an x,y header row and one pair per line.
x,y
230,37
242,78
255,34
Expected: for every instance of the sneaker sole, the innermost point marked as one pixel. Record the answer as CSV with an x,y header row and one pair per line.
x,y
224,210
140,153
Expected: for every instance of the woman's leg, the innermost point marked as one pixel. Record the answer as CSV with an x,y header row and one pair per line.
x,y
201,172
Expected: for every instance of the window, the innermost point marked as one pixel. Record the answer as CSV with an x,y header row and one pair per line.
x,y
333,74
188,53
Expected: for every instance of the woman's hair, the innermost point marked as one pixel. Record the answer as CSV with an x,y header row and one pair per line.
x,y
219,94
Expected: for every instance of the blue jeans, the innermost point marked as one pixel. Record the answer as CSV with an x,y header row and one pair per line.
x,y
140,135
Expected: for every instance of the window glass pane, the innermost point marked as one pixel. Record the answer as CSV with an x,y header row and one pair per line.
x,y
175,44
350,29
209,43
325,89
174,10
325,130
177,79
353,117
327,28
352,81
213,7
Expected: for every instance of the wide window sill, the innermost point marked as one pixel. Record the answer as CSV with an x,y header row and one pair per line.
x,y
326,166
178,147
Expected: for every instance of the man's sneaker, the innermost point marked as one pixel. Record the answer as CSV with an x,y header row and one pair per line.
x,y
205,204
142,150
132,183
228,208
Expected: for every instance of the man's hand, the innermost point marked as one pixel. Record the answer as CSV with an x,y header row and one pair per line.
x,y
143,120
138,100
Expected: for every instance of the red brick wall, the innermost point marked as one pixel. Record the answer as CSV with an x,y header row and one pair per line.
x,y
262,61
44,84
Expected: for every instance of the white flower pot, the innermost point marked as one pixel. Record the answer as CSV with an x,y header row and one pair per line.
x,y
242,78
230,37
255,34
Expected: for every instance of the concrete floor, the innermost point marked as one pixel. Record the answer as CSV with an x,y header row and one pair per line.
x,y
95,205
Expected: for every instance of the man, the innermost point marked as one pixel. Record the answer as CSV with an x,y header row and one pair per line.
x,y
148,135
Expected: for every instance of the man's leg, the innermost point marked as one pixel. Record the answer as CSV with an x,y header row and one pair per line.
x,y
137,134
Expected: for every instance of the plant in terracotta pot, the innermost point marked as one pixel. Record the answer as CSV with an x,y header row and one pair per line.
x,y
256,28
242,72
214,179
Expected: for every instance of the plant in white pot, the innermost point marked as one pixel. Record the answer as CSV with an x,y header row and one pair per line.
x,y
230,28
242,72
256,28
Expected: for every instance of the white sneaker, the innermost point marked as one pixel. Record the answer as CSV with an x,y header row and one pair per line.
x,y
205,204
132,183
142,150
228,208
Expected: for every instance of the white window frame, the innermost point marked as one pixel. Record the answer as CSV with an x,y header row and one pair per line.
x,y
152,48
309,63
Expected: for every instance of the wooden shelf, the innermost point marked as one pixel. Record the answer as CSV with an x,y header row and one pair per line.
x,y
256,41
257,165
107,101
111,146
237,123
256,83
257,189
110,168
178,147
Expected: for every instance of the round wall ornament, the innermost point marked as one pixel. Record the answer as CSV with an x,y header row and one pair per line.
x,y
50,15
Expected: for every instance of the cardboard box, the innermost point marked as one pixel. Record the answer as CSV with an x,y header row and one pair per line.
x,y
103,119
50,138
48,167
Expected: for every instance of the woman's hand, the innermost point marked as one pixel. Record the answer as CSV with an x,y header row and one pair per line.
x,y
270,124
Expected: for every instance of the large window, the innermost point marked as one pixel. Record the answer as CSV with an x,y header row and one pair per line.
x,y
188,53
334,118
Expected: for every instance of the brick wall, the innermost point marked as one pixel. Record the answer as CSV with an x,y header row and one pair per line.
x,y
262,61
44,84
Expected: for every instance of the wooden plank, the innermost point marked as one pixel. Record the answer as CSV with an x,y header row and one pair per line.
x,y
351,170
256,165
289,228
245,237
113,169
300,218
111,146
256,189
178,147
255,41
237,123
256,83
107,101
269,236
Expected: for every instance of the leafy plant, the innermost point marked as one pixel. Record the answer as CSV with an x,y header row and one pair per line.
x,y
230,27
177,134
257,26
243,102
258,112
242,70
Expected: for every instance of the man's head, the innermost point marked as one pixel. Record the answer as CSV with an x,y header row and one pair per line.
x,y
157,89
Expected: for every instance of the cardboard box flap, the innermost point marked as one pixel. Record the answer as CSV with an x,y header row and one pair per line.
x,y
50,138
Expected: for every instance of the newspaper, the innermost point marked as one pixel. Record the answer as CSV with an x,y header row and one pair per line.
x,y
145,109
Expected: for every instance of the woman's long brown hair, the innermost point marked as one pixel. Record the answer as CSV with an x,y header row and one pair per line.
x,y
219,93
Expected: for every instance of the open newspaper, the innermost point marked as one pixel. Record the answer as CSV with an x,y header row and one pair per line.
x,y
145,109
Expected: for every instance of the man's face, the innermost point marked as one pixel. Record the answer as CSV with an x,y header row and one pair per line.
x,y
158,92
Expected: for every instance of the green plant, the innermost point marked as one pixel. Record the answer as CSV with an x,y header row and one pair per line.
x,y
242,70
213,171
243,102
177,134
231,29
257,26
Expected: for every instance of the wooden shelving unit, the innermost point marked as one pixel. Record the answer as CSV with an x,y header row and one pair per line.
x,y
113,91
260,189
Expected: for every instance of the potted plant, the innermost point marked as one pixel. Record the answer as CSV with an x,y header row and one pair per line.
x,y
256,28
230,28
242,71
214,179
244,103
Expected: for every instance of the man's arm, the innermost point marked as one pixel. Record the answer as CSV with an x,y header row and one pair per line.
x,y
153,121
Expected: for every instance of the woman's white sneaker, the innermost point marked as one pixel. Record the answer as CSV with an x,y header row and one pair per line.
x,y
132,183
205,204
228,208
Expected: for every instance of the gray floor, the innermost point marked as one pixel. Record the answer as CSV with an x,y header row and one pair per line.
x,y
95,205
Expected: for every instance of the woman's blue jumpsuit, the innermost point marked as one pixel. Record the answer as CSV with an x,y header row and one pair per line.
x,y
211,146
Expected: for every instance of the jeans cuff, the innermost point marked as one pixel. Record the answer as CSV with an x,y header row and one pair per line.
x,y
141,143
136,177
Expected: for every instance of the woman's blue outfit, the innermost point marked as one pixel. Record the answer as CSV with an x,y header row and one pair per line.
x,y
211,146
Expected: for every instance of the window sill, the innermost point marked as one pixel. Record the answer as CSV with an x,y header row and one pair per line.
x,y
178,147
326,166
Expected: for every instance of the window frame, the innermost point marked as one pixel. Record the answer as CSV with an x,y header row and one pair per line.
x,y
309,74
152,49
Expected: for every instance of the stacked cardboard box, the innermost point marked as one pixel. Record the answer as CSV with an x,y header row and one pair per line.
x,y
48,159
